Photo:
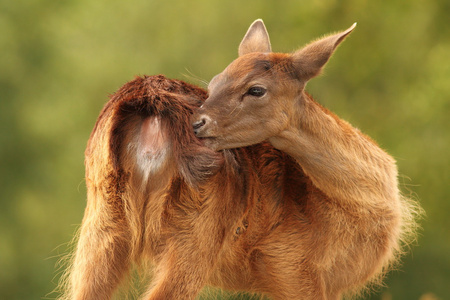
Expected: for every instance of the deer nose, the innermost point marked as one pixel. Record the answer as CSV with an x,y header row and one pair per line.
x,y
198,125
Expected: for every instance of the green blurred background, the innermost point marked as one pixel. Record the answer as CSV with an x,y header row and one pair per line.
x,y
60,59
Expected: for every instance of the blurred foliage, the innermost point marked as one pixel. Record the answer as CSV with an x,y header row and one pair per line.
x,y
59,60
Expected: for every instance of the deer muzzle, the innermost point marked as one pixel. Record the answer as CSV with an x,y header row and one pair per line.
x,y
202,126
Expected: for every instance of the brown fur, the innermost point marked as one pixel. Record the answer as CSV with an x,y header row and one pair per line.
x,y
252,219
355,214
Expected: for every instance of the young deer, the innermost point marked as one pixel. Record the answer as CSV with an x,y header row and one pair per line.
x,y
322,220
355,219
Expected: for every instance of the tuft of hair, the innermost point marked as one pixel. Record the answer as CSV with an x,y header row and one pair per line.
x,y
410,216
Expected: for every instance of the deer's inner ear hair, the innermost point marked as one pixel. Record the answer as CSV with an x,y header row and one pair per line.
x,y
256,91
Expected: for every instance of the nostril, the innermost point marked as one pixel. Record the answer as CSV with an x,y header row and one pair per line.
x,y
199,124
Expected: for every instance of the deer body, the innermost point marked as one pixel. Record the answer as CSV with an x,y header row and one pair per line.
x,y
307,208
260,97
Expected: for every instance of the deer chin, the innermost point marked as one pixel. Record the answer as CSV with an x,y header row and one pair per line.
x,y
224,143
219,143
210,142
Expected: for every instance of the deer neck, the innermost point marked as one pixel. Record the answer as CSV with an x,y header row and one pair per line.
x,y
333,153
309,129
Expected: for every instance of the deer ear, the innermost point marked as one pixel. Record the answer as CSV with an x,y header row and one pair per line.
x,y
256,39
310,60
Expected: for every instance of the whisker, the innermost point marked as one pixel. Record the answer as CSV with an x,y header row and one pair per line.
x,y
203,82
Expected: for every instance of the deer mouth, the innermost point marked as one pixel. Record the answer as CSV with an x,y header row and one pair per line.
x,y
204,130
209,142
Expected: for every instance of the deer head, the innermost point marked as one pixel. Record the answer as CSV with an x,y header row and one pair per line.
x,y
260,94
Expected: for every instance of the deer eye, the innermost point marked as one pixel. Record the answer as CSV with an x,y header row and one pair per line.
x,y
256,91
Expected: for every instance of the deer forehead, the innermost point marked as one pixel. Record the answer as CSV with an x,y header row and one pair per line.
x,y
250,67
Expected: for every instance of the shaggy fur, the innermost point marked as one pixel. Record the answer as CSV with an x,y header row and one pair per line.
x,y
316,220
355,214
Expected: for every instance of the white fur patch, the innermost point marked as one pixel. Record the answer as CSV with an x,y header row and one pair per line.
x,y
153,146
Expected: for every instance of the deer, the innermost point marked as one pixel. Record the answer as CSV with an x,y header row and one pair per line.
x,y
197,189
356,215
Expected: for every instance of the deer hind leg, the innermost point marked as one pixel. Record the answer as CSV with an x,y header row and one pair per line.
x,y
177,277
101,260
189,259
